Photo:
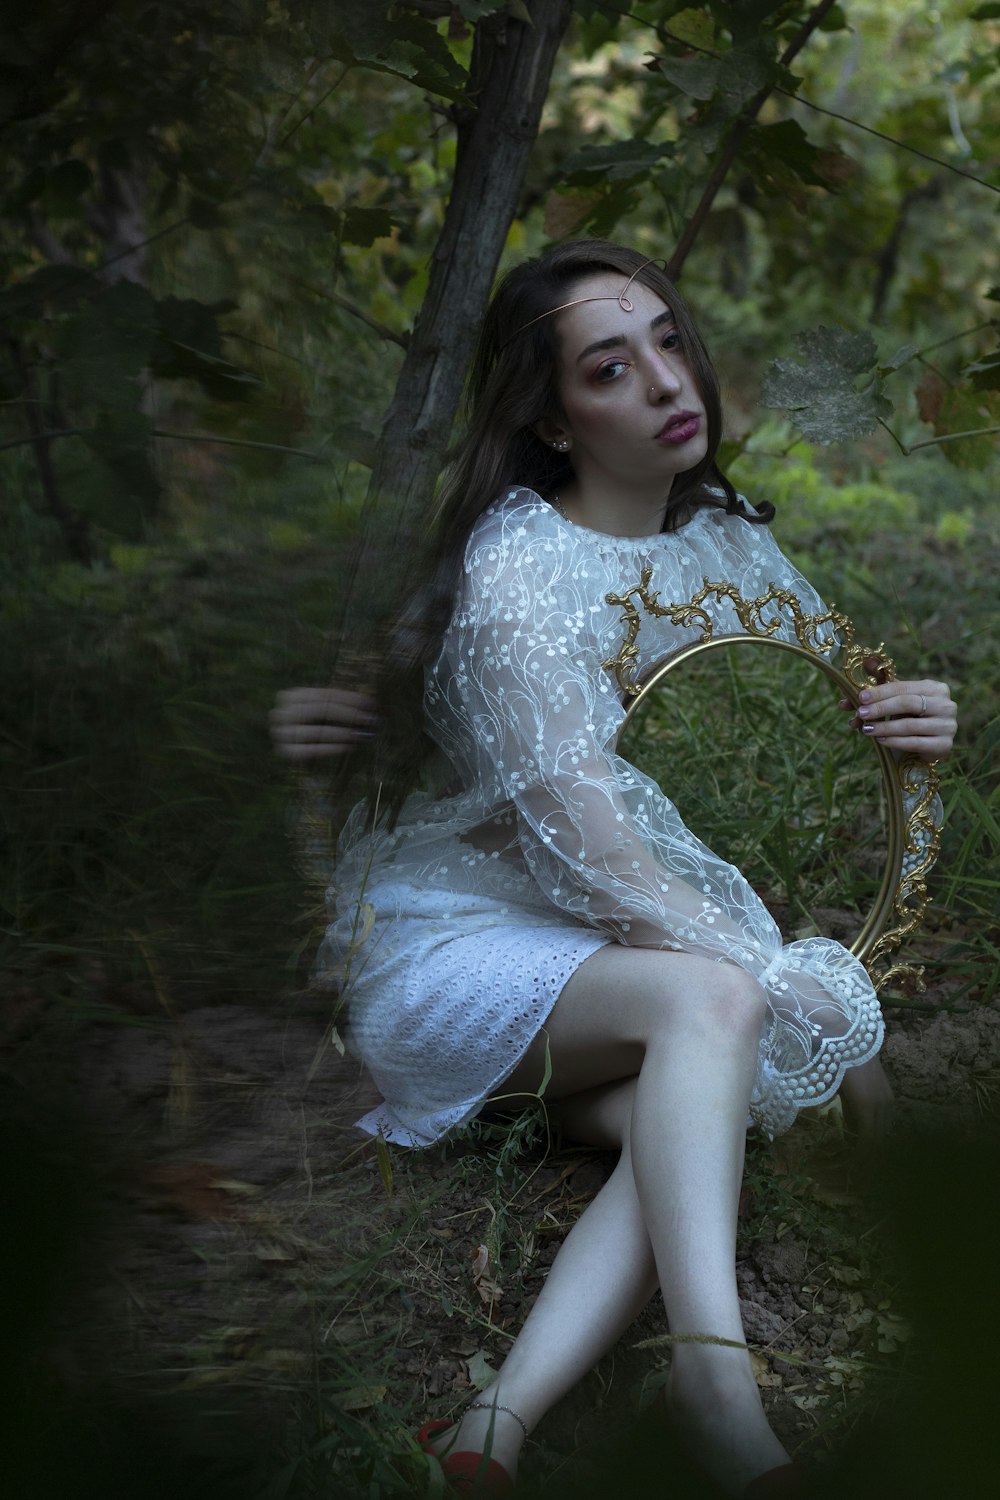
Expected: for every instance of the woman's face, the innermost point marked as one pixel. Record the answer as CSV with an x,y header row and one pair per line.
x,y
631,409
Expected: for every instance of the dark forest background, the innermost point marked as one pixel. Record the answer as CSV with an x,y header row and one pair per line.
x,y
244,248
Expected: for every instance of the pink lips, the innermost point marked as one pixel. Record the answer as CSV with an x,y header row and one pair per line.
x,y
681,428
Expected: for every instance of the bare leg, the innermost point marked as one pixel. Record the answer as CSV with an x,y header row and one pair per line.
x,y
581,1309
688,1028
867,1099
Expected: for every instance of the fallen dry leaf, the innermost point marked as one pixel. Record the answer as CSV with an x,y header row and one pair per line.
x,y
481,1372
486,1287
362,1398
766,1378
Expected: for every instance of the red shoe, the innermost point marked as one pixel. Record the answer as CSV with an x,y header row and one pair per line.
x,y
468,1474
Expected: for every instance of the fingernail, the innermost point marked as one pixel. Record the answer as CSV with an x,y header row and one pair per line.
x,y
868,729
864,712
865,696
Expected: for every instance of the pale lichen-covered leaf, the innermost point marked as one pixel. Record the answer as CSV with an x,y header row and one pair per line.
x,y
819,388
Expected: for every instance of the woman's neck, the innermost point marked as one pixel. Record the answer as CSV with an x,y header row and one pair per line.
x,y
618,510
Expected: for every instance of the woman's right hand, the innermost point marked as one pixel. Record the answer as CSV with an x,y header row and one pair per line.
x,y
313,723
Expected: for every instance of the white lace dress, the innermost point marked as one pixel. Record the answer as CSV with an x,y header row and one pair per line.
x,y
454,935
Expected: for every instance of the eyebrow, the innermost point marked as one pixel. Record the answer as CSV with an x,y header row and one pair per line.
x,y
618,339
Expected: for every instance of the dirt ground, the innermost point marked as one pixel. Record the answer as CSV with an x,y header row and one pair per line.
x,y
255,1269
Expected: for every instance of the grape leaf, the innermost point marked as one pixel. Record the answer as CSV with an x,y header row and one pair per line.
x,y
363,226
696,76
405,45
985,372
618,162
819,389
693,26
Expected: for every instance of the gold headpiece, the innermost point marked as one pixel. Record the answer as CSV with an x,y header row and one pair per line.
x,y
624,301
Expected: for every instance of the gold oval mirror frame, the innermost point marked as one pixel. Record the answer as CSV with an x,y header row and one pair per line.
x,y
904,790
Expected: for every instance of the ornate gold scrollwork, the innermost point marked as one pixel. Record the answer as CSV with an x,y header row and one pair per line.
x,y
910,785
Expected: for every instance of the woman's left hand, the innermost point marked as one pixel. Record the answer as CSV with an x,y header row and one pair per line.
x,y
914,718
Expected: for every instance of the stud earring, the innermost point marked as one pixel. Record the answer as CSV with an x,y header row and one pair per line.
x,y
562,446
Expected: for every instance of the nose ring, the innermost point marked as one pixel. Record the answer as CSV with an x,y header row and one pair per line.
x,y
652,390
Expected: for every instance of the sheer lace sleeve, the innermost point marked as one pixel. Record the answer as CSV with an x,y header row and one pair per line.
x,y
602,840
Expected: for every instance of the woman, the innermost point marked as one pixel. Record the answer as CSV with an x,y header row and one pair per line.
x,y
549,910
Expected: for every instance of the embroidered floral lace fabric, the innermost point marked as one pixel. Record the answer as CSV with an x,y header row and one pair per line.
x,y
481,904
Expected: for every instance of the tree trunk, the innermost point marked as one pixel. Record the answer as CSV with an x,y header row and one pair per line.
x,y
509,79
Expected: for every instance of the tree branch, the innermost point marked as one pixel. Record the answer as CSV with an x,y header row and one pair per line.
x,y
734,140
383,332
665,34
184,437
229,442
946,437
891,140
72,525
512,63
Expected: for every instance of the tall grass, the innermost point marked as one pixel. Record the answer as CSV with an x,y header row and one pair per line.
x,y
146,862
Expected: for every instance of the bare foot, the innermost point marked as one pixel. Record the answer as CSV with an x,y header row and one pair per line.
x,y
714,1407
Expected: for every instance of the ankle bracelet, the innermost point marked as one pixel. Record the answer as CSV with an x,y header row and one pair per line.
x,y
495,1406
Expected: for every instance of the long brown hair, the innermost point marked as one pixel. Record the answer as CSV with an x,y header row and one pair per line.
x,y
512,386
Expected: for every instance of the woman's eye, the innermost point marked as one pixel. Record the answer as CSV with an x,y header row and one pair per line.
x,y
611,370
671,340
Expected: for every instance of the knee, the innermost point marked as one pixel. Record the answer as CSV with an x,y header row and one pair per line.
x,y
731,1004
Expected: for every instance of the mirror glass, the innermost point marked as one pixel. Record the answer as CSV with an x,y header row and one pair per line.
x,y
748,741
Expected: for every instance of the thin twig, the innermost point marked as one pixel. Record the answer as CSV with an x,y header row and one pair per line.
x,y
665,34
990,323
734,140
184,437
74,528
892,140
211,437
401,339
952,437
58,432
934,442
313,107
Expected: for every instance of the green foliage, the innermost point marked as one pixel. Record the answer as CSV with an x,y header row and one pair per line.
x,y
399,43
291,173
158,238
142,811
816,508
795,805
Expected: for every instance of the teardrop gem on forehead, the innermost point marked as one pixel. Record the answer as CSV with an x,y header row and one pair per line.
x,y
623,299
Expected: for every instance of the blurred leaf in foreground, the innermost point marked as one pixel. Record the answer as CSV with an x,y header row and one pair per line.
x,y
819,388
